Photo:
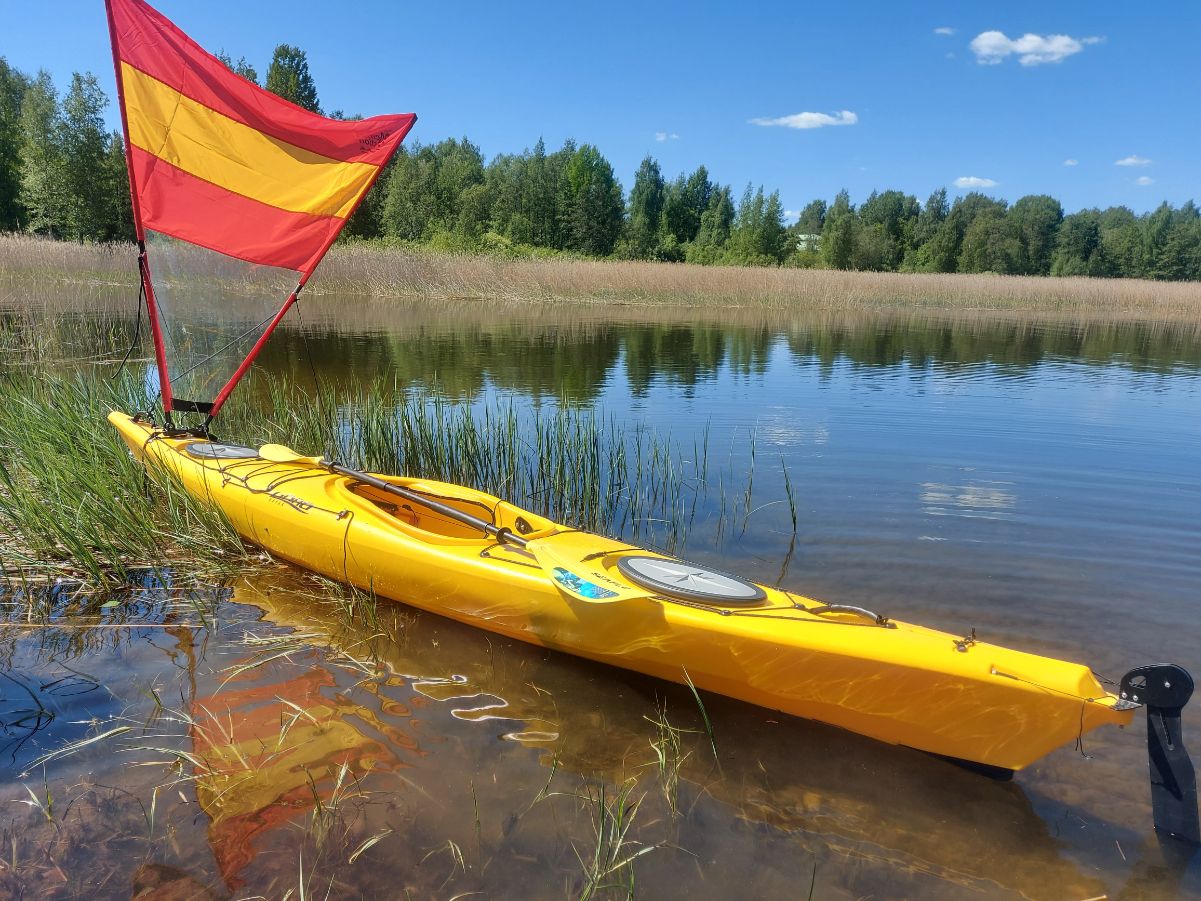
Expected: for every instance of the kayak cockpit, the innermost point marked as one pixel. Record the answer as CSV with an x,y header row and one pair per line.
x,y
413,517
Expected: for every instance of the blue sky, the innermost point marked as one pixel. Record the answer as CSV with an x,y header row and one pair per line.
x,y
908,96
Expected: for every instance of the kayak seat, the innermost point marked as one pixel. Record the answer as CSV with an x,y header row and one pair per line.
x,y
414,516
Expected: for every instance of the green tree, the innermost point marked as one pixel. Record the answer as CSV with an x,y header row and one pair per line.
x,y
246,70
714,233
646,207
590,205
894,213
757,237
840,233
1035,220
812,218
1078,248
118,212
941,252
12,90
684,202
924,230
44,193
288,76
83,142
1179,258
990,245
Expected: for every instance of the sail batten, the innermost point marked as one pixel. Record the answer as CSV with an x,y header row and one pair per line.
x,y
217,162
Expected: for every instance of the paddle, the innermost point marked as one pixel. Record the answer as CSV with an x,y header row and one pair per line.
x,y
575,577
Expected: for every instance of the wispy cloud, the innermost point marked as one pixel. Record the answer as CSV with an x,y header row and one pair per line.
x,y
1133,160
810,120
1144,180
945,31
666,136
993,47
1071,162
973,181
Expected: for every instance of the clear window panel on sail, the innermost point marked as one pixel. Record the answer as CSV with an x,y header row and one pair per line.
x,y
212,308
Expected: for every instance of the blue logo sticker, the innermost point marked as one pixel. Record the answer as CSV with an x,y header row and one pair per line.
x,y
582,587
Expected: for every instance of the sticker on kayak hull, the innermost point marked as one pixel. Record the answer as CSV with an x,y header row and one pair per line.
x,y
577,585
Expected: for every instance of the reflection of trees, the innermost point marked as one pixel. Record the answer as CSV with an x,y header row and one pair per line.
x,y
458,363
1016,346
685,354
460,350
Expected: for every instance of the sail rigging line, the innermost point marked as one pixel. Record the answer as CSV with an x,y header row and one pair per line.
x,y
137,328
308,352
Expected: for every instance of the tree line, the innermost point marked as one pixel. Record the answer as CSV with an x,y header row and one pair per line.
x,y
63,175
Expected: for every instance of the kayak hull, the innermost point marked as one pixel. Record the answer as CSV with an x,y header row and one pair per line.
x,y
895,682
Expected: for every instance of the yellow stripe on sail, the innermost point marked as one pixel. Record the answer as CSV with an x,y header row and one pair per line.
x,y
214,147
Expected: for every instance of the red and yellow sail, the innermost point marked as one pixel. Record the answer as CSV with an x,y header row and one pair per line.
x,y
218,161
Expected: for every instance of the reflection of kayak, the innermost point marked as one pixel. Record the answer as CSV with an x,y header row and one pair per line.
x,y
892,681
910,813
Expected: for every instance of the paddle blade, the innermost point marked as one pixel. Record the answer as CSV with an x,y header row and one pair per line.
x,y
579,579
277,453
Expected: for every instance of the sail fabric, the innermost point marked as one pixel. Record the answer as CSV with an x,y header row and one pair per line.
x,y
217,161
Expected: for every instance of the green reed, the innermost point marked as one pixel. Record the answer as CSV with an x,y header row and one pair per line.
x,y
75,504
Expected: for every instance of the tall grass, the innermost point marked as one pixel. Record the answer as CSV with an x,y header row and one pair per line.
x,y
74,504
384,272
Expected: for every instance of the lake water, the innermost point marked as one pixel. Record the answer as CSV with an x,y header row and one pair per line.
x,y
1038,482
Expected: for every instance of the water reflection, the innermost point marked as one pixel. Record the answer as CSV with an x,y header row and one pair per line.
x,y
563,351
979,499
281,742
870,816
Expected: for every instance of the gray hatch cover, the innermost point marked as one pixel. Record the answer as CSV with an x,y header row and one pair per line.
x,y
687,580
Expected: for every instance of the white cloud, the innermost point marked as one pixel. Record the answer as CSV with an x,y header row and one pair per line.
x,y
972,181
992,47
666,136
1144,180
947,32
1071,162
1133,160
810,120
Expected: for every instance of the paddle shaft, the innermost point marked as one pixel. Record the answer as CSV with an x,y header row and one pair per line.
x,y
504,536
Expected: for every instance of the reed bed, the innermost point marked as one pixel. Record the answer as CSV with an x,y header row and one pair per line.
x,y
75,505
371,270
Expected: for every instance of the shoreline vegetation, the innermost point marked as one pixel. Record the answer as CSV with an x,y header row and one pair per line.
x,y
377,269
76,506
63,175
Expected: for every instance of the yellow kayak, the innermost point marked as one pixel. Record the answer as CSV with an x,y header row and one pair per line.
x,y
629,607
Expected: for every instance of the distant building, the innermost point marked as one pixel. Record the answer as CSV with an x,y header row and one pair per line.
x,y
807,242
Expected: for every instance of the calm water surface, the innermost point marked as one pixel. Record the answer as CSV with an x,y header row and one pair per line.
x,y
1039,483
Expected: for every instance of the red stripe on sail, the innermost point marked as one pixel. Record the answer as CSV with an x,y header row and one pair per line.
x,y
148,41
183,206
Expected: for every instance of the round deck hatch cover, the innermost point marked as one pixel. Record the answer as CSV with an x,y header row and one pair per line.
x,y
687,580
207,450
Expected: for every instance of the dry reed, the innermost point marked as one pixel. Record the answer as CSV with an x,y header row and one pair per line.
x,y
371,270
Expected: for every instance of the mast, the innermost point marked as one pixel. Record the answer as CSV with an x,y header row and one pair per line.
x,y
156,331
